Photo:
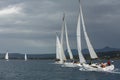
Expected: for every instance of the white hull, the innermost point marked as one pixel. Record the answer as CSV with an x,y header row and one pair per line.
x,y
95,67
71,64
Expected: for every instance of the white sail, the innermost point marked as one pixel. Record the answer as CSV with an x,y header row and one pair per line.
x,y
25,57
67,42
82,59
62,35
6,56
90,48
59,50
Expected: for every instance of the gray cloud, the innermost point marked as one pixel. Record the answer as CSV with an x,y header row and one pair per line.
x,y
32,23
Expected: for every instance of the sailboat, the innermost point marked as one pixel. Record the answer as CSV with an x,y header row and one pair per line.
x,y
71,62
25,57
60,55
93,55
6,56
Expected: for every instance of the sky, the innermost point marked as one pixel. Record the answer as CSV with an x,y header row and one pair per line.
x,y
29,26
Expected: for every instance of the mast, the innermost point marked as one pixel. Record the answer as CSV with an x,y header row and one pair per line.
x,y
93,55
62,30
81,57
62,35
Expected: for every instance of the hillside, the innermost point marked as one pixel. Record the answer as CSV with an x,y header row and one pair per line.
x,y
106,52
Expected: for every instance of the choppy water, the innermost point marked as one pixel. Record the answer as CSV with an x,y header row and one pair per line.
x,y
45,70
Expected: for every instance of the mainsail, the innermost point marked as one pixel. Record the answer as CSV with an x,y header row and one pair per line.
x,y
82,59
90,48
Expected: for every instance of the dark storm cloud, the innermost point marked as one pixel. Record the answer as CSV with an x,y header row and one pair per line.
x,y
32,24
103,23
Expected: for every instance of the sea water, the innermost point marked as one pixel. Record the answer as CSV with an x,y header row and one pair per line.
x,y
47,70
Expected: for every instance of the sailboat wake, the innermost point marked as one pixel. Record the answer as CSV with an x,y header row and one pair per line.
x,y
116,71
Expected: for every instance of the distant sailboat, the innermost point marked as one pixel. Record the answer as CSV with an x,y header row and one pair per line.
x,y
6,56
25,57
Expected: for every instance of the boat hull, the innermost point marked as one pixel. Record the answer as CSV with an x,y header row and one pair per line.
x,y
95,67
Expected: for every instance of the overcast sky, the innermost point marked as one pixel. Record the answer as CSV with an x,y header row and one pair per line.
x,y
30,25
